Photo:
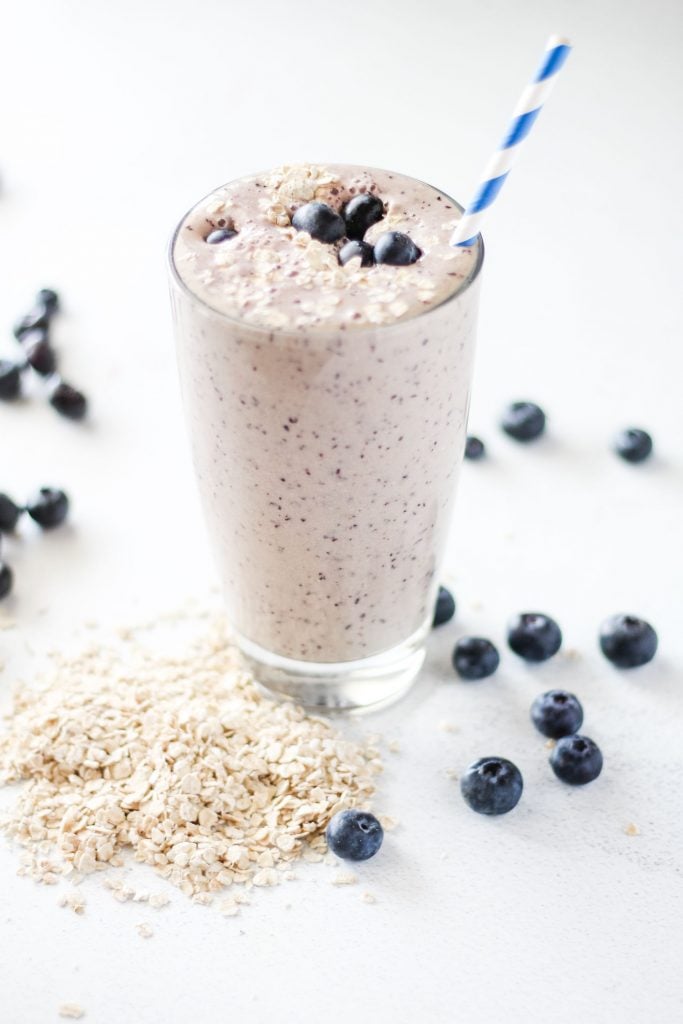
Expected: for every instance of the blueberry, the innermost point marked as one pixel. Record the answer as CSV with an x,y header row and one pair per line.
x,y
557,713
354,835
9,514
474,657
220,235
444,610
6,579
576,760
321,222
48,507
634,445
39,352
48,298
38,317
492,785
10,379
354,249
396,249
534,636
362,212
524,421
474,448
68,401
628,641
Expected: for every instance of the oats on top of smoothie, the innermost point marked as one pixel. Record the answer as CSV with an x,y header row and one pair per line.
x,y
337,246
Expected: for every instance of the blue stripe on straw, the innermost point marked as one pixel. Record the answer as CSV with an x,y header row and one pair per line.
x,y
467,243
487,193
520,128
552,62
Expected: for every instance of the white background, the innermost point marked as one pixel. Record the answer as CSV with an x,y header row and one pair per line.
x,y
116,118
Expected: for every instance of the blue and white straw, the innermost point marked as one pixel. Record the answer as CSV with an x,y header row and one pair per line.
x,y
527,110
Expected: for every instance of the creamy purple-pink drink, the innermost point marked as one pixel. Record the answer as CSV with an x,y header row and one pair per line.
x,y
327,409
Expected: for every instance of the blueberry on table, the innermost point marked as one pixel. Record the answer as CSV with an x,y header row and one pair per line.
x,y
557,713
492,785
534,636
524,421
576,760
9,514
354,835
628,641
68,401
444,610
475,657
320,221
10,379
40,353
48,507
474,448
361,212
352,250
6,579
633,445
220,235
396,249
37,317
48,298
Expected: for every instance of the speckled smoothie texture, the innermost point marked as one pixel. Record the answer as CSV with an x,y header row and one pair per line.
x,y
327,408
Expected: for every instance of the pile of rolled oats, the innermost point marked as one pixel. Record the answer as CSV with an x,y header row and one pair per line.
x,y
180,759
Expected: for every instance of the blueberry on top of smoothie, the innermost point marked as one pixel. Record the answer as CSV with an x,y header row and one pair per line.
x,y
220,235
362,212
320,221
354,249
396,249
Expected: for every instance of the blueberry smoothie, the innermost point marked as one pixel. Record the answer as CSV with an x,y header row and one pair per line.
x,y
325,333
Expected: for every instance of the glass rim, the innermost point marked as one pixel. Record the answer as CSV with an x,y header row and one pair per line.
x,y
322,329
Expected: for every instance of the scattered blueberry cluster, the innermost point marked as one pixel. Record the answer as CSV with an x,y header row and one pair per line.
x,y
48,507
526,421
32,331
493,785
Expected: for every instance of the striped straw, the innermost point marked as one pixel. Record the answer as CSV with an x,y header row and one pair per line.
x,y
527,110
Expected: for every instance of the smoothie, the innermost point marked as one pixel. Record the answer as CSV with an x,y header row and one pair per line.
x,y
326,395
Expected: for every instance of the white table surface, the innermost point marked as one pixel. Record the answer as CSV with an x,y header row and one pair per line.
x,y
117,117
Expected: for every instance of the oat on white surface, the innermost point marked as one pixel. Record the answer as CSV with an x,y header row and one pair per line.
x,y
368,897
344,878
71,1011
177,758
74,901
144,930
632,829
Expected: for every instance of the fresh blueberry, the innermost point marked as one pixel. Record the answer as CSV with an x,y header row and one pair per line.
x,y
362,212
524,421
534,636
354,249
68,401
396,249
320,221
557,713
220,235
9,514
474,657
48,507
444,610
39,352
628,641
474,448
48,298
354,835
10,379
492,785
634,445
6,579
576,760
37,317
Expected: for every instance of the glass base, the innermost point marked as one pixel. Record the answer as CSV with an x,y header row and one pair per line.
x,y
366,684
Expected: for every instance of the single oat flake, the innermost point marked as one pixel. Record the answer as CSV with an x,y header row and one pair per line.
x,y
177,758
71,1011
